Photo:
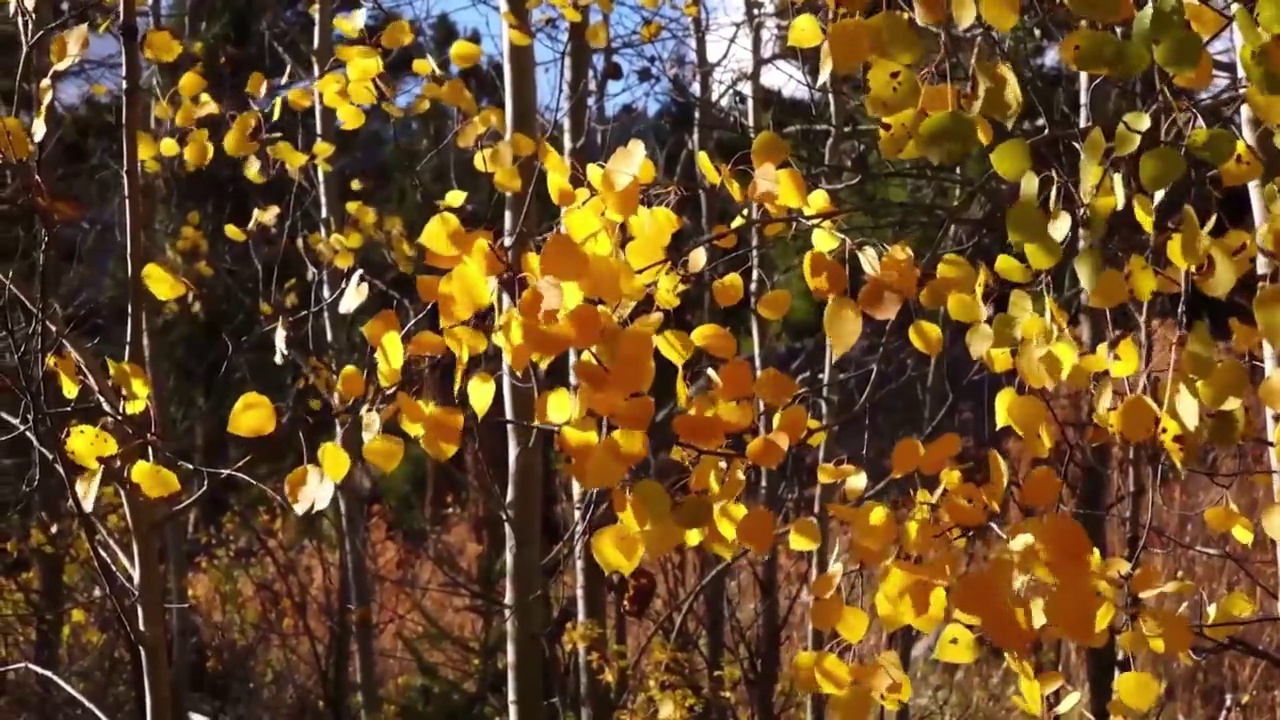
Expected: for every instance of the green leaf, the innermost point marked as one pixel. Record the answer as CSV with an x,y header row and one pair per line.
x,y
1160,168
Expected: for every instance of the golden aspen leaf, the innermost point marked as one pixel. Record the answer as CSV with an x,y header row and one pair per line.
x,y
891,88
768,148
617,549
1242,167
1011,269
1137,418
1222,519
350,383
252,416
715,341
398,34
825,613
939,452
805,535
155,481
465,54
1270,521
1012,159
86,445
1040,488
964,13
804,32
1000,14
334,461
557,406
851,42
728,290
1266,312
64,365
163,283
383,451
755,530
598,35
906,456
1109,290
768,451
956,644
853,625
774,304
160,46
191,84
481,389
1160,167
350,117
842,323
674,345
1138,691
1269,392
832,674
926,337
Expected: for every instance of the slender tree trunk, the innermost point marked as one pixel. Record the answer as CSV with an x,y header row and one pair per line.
x,y
525,451
50,497
714,593
1264,266
589,594
143,513
815,638
1095,478
352,557
769,632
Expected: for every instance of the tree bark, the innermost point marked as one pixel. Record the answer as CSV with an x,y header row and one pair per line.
x,y
589,596
1095,479
525,451
143,513
352,557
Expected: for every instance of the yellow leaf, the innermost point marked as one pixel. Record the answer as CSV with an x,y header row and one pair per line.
x,y
1223,519
598,35
728,290
86,445
1270,520
715,341
1137,418
465,54
1138,691
383,451
842,323
774,304
1040,488
1012,159
755,530
252,416
334,461
617,549
160,46
64,365
155,481
163,283
804,32
853,624
805,535
398,34
480,391
906,456
926,337
956,644
350,117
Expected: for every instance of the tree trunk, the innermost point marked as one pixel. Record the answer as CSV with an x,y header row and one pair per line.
x,y
589,596
525,454
1095,479
358,598
143,513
